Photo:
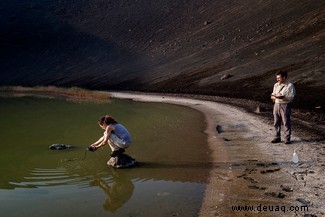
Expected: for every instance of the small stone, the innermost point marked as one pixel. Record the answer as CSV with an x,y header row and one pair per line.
x,y
269,171
287,188
303,201
219,129
206,23
260,109
281,195
273,194
226,76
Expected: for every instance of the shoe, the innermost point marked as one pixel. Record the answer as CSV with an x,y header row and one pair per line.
x,y
287,142
117,152
114,153
120,151
276,140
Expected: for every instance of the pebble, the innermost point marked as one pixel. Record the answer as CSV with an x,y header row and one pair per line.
x,y
287,188
303,201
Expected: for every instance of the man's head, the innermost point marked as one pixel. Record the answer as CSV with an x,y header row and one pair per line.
x,y
281,76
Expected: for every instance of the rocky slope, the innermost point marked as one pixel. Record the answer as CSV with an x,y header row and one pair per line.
x,y
166,46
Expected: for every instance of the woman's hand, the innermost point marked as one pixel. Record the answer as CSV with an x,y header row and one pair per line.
x,y
92,147
98,146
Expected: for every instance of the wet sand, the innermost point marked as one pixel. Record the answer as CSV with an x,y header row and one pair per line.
x,y
249,171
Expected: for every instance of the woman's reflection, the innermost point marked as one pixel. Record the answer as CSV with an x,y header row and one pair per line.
x,y
118,193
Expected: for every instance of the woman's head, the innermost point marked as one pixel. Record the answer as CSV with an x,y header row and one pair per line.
x,y
106,120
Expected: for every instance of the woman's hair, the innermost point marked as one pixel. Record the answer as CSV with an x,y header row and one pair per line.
x,y
106,120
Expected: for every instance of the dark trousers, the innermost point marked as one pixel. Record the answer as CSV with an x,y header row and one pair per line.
x,y
281,114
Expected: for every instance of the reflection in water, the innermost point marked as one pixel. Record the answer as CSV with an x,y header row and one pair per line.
x,y
116,185
170,180
115,192
118,193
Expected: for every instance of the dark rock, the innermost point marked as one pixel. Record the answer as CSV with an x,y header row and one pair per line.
x,y
287,188
270,171
266,164
219,129
60,147
260,109
253,187
122,161
303,201
250,179
256,187
281,195
273,194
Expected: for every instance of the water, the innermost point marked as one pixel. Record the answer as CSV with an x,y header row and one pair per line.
x,y
168,141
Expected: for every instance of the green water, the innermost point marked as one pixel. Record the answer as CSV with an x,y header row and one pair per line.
x,y
168,141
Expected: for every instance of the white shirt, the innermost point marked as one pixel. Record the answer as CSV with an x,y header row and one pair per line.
x,y
287,90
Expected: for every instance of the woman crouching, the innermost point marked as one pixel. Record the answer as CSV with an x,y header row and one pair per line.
x,y
115,134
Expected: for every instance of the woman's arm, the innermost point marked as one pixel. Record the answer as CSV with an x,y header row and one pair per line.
x,y
107,134
103,140
98,141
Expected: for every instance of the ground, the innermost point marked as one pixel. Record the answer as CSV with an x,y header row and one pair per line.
x,y
221,51
248,170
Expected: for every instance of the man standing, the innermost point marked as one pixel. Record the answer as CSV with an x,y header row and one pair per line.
x,y
282,96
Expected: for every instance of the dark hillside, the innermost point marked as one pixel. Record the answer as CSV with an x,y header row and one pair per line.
x,y
166,46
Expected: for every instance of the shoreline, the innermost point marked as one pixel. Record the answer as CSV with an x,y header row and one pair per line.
x,y
259,173
72,93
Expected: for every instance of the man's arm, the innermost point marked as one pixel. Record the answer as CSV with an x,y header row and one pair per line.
x,y
290,93
273,95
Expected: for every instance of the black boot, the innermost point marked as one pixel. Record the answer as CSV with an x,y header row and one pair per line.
x,y
117,152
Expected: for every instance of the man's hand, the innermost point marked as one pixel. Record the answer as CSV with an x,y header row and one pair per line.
x,y
279,96
273,97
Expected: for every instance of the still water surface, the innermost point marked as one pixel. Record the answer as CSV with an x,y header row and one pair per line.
x,y
168,141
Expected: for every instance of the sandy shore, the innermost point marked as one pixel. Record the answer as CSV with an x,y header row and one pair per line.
x,y
258,176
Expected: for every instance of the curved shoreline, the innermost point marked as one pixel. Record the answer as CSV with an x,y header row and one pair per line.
x,y
257,170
